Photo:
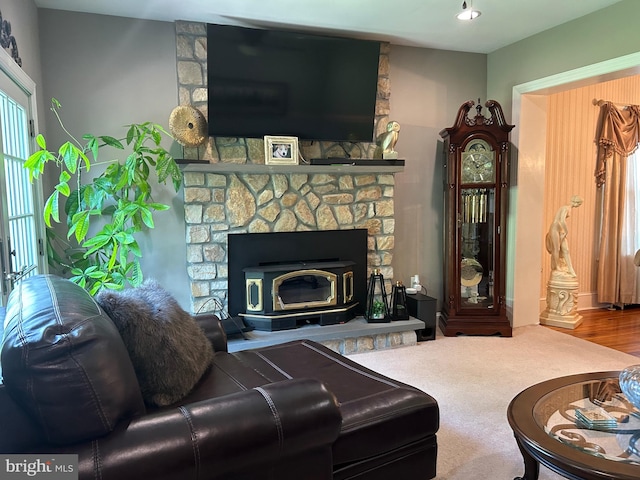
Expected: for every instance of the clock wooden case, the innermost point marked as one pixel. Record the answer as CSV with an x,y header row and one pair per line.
x,y
476,177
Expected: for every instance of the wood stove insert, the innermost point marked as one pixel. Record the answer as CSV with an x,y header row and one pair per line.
x,y
337,252
280,297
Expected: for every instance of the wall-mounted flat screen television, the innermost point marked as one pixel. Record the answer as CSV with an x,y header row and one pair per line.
x,y
276,82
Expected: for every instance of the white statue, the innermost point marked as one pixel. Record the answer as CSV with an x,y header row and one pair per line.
x,y
387,140
562,288
556,239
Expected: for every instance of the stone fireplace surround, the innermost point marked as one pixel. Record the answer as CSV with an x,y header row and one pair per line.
x,y
233,191
221,204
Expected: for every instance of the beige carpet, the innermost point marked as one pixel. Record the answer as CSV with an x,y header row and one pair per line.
x,y
474,379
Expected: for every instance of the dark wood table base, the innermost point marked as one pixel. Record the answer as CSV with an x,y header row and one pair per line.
x,y
531,465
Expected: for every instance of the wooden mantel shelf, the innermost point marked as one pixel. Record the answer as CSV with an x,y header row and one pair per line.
x,y
223,167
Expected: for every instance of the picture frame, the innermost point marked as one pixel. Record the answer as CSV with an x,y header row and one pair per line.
x,y
280,150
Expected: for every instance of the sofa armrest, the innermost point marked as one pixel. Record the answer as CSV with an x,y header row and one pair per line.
x,y
19,432
214,331
282,430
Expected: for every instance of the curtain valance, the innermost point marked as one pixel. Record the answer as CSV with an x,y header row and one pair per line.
x,y
619,132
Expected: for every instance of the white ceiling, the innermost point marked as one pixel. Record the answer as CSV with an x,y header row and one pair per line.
x,y
421,23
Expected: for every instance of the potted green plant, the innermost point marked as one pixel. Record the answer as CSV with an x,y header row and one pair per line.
x,y
103,214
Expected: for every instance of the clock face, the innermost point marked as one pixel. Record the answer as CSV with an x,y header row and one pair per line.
x,y
478,163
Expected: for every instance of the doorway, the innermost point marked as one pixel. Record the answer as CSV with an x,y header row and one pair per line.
x,y
526,237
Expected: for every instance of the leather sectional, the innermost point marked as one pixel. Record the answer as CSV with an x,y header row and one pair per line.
x,y
292,411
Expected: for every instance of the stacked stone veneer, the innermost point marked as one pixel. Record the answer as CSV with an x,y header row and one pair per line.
x,y
366,343
218,204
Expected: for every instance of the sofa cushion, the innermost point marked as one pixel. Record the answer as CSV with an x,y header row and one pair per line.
x,y
64,362
379,414
169,350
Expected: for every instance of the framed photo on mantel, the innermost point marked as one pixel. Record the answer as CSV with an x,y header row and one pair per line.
x,y
280,150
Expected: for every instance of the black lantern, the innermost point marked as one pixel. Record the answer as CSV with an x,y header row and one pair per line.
x,y
399,302
377,305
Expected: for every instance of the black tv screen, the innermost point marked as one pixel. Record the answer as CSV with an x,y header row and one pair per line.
x,y
274,82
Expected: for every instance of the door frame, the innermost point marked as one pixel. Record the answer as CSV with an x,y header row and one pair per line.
x,y
529,108
18,76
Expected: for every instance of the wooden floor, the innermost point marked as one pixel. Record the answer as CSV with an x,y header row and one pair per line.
x,y
618,329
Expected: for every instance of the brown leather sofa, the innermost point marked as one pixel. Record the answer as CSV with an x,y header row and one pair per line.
x,y
292,411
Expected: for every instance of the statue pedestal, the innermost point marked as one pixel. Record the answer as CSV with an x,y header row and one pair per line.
x,y
562,302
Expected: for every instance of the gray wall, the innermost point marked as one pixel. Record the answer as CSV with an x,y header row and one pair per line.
x,y
108,72
427,89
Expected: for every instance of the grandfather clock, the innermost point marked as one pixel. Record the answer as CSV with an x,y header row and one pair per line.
x,y
476,178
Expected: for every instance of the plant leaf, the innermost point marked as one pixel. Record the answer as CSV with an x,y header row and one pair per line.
x,y
36,162
136,274
147,217
69,153
124,238
40,140
64,177
72,205
158,206
64,189
114,255
112,142
51,209
92,145
96,243
130,134
80,225
134,248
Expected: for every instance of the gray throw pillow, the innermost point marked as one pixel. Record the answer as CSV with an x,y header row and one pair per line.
x,y
168,349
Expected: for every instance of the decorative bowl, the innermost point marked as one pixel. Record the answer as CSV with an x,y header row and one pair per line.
x,y
630,384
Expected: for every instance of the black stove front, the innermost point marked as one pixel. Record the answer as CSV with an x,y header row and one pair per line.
x,y
284,296
283,280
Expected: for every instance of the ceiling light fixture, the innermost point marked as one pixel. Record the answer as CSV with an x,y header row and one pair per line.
x,y
468,13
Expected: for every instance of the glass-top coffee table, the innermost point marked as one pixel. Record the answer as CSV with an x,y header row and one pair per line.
x,y
543,419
